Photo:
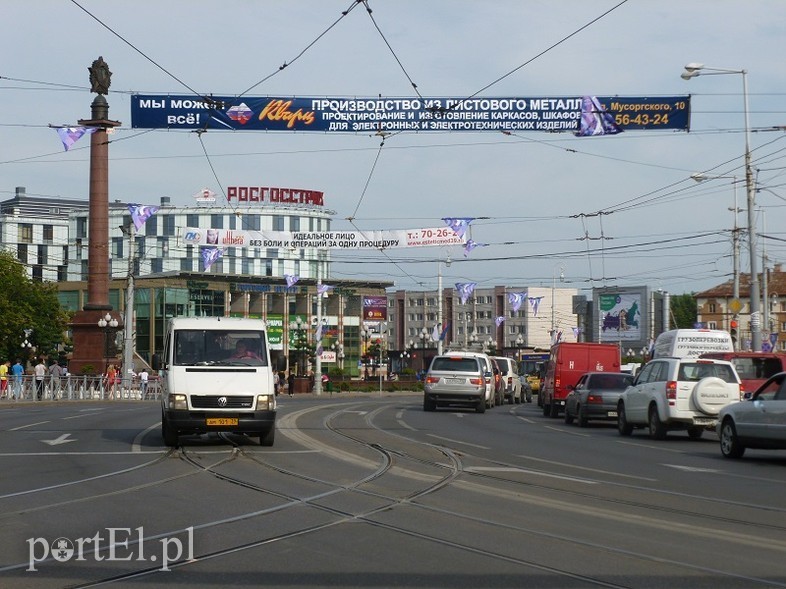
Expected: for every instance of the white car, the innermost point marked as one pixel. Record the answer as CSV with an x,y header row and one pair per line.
x,y
757,423
678,394
510,379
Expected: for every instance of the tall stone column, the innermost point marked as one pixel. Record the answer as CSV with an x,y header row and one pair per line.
x,y
94,345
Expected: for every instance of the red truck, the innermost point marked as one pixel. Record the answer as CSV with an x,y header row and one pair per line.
x,y
567,362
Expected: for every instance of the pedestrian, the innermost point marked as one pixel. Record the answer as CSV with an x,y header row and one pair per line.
x,y
4,379
18,372
276,383
40,374
55,372
143,378
291,383
111,375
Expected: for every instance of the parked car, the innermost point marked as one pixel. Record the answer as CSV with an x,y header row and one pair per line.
x,y
510,379
458,378
595,396
756,423
677,393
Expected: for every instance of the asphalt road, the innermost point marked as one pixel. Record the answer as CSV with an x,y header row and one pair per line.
x,y
367,490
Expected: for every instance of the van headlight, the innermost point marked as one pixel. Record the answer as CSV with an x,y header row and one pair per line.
x,y
266,402
177,401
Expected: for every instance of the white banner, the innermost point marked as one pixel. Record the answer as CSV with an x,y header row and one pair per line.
x,y
380,239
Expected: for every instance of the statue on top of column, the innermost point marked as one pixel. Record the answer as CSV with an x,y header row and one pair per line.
x,y
100,76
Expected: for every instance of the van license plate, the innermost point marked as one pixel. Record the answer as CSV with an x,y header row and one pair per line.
x,y
611,414
222,421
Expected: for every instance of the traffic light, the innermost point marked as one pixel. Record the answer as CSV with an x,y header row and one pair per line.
x,y
733,329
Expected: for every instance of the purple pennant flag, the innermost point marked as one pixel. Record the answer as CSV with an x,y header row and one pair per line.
x,y
534,302
210,255
465,290
291,280
576,332
515,299
435,332
498,321
595,120
141,213
323,288
459,224
70,135
471,245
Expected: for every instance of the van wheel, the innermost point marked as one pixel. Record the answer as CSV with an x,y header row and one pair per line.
x,y
546,410
657,427
623,427
170,436
267,438
553,410
568,416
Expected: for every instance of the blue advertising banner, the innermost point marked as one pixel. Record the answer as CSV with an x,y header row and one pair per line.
x,y
582,115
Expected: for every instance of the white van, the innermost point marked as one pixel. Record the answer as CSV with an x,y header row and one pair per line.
x,y
216,376
692,343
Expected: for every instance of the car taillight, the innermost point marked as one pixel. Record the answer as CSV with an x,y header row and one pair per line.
x,y
671,391
594,399
742,393
476,381
432,379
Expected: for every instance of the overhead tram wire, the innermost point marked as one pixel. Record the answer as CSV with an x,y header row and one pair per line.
x,y
286,64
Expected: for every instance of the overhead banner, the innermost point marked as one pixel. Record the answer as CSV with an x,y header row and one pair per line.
x,y
435,236
405,114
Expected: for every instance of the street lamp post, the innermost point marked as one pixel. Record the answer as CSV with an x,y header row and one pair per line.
x,y
439,302
553,294
298,326
107,323
697,69
519,344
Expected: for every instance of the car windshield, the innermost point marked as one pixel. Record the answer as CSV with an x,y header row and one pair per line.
x,y
455,364
695,371
610,382
219,347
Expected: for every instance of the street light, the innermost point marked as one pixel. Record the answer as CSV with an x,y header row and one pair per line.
x,y
697,69
338,347
107,323
439,302
553,294
518,344
735,239
299,327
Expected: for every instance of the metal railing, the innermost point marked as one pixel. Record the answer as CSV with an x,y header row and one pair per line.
x,y
78,388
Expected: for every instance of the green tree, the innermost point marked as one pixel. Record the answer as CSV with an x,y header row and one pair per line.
x,y
683,311
26,304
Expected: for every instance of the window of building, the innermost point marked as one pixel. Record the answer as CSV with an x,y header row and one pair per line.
x,y
156,265
117,247
62,273
294,223
84,269
252,222
269,267
21,253
192,220
43,259
311,223
431,302
711,309
151,225
278,223
233,222
246,267
25,233
49,233
168,222
216,221
81,227
712,325
271,252
431,316
37,273
186,264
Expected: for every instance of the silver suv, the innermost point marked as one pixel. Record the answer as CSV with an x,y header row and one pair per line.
x,y
677,393
459,378
510,379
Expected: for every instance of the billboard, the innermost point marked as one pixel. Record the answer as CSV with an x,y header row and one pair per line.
x,y
355,115
375,308
620,317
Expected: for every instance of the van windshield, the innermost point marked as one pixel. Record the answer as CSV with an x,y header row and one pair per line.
x,y
207,347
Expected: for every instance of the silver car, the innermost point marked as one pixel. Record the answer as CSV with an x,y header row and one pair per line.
x,y
595,396
757,423
458,378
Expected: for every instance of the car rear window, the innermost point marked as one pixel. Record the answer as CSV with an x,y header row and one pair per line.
x,y
610,382
695,371
455,364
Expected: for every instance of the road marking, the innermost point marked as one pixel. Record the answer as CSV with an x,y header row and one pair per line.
x,y
574,466
136,445
459,442
691,468
539,473
28,425
60,440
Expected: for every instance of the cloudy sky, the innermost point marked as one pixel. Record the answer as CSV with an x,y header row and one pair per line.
x,y
535,195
